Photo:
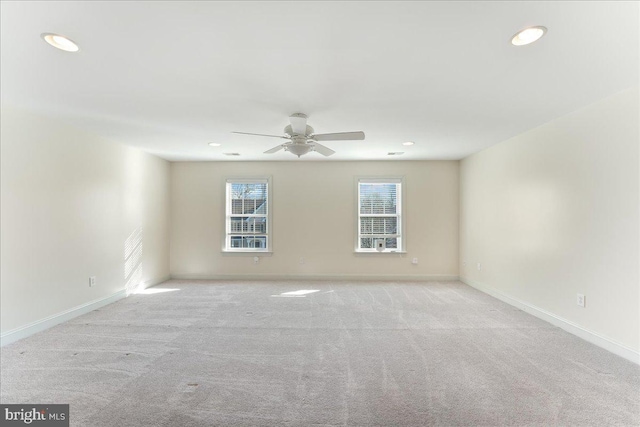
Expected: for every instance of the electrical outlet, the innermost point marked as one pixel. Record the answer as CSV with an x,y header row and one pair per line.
x,y
581,300
256,260
414,261
92,281
301,260
479,266
464,263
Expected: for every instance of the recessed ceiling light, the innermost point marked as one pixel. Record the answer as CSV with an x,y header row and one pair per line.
x,y
395,153
408,143
231,154
61,42
528,35
214,144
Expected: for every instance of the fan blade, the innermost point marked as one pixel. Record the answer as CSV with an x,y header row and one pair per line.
x,y
298,123
340,136
275,149
325,151
260,134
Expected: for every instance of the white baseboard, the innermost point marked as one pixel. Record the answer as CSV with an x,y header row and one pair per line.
x,y
153,282
48,322
338,278
587,335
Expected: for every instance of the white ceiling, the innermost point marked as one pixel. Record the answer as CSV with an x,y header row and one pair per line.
x,y
169,77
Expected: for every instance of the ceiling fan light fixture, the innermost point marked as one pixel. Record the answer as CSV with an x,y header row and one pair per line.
x,y
298,149
60,42
528,35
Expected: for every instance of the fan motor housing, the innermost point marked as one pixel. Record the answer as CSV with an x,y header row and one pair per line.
x,y
289,131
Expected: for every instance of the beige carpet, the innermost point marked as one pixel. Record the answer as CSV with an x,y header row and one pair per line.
x,y
213,353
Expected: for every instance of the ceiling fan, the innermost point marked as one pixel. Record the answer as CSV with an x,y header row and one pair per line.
x,y
302,139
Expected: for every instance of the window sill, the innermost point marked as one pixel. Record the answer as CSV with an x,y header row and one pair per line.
x,y
247,253
379,253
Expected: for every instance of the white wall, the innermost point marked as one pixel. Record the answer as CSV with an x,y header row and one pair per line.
x,y
314,210
69,203
554,212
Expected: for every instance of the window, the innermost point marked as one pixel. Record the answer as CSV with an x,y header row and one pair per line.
x,y
247,215
380,215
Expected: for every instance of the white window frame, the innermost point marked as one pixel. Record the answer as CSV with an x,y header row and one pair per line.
x,y
226,245
400,207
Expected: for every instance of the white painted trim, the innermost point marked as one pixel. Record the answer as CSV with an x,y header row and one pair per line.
x,y
246,253
397,179
227,211
338,278
146,284
48,322
573,328
153,282
400,254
